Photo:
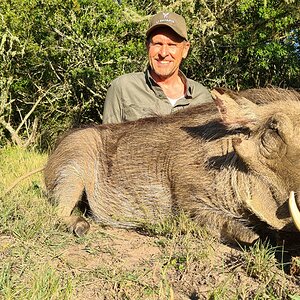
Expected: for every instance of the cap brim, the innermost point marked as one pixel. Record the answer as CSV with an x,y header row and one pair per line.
x,y
150,30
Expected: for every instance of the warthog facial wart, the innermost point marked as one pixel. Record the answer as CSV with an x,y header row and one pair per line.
x,y
231,167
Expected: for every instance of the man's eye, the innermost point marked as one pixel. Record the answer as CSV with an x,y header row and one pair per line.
x,y
174,46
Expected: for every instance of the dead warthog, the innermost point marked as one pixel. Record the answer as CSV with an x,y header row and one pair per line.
x,y
229,166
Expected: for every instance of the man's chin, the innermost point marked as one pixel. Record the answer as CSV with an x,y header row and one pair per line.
x,y
163,73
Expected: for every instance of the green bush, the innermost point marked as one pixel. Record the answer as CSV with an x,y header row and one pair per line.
x,y
63,54
58,57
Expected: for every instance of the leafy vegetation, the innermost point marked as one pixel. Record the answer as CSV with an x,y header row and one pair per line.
x,y
58,57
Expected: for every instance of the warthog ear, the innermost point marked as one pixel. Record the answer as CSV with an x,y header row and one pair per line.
x,y
235,111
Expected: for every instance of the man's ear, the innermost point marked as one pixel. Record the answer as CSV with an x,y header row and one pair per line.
x,y
186,48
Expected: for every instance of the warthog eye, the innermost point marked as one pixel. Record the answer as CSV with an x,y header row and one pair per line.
x,y
272,144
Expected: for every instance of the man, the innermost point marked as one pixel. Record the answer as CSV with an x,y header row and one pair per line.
x,y
163,88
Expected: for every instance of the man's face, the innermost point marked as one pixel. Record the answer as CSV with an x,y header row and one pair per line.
x,y
165,52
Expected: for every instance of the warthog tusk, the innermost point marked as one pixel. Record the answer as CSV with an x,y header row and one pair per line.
x,y
294,211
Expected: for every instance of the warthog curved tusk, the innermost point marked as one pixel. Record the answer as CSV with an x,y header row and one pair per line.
x,y
294,211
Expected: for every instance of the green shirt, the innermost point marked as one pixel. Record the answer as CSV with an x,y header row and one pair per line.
x,y
136,95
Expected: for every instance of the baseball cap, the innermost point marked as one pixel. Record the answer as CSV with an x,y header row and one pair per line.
x,y
169,19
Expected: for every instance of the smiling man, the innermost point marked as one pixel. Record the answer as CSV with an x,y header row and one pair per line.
x,y
162,88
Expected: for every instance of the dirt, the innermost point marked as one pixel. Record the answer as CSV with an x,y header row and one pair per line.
x,y
128,248
119,255
112,264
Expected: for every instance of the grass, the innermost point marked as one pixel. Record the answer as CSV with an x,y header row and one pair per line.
x,y
173,260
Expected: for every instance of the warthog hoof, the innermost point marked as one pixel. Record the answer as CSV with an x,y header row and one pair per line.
x,y
79,227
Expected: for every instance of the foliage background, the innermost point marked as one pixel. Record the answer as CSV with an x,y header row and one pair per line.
x,y
57,57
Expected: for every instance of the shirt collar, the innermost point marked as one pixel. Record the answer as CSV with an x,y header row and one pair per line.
x,y
158,90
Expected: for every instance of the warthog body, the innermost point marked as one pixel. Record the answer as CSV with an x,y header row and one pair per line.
x,y
227,168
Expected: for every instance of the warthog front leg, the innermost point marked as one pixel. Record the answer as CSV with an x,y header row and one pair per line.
x,y
226,227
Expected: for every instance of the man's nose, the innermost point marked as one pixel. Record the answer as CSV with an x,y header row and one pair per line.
x,y
164,50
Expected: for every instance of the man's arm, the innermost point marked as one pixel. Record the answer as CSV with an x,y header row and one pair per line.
x,y
207,97
202,95
112,112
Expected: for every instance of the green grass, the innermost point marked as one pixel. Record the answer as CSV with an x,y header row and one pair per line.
x,y
173,260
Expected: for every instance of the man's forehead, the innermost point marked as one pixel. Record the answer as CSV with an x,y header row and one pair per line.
x,y
165,32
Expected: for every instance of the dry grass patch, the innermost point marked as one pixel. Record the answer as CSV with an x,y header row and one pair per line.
x,y
173,260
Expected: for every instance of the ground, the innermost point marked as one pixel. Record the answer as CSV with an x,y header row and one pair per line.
x,y
177,259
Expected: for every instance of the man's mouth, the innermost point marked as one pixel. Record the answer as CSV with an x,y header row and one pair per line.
x,y
163,62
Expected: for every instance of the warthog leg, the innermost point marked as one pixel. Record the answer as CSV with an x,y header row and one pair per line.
x,y
76,224
67,198
225,227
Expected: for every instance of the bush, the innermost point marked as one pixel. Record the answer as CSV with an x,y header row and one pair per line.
x,y
58,57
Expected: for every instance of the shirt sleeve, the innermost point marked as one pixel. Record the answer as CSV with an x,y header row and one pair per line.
x,y
198,92
112,112
207,97
204,95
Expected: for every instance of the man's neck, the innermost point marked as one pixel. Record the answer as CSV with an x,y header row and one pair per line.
x,y
166,80
174,86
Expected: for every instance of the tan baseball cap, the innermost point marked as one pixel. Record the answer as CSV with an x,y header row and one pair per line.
x,y
169,19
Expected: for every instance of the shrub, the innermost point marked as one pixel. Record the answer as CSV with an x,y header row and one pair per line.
x,y
58,57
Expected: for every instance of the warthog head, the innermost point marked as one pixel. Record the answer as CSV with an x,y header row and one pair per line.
x,y
272,148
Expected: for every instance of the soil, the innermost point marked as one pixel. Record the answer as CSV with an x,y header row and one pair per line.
x,y
120,252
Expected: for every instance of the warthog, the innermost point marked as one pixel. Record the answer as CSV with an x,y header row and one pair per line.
x,y
229,166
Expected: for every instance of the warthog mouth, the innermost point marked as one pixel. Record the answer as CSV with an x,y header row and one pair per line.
x,y
294,210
